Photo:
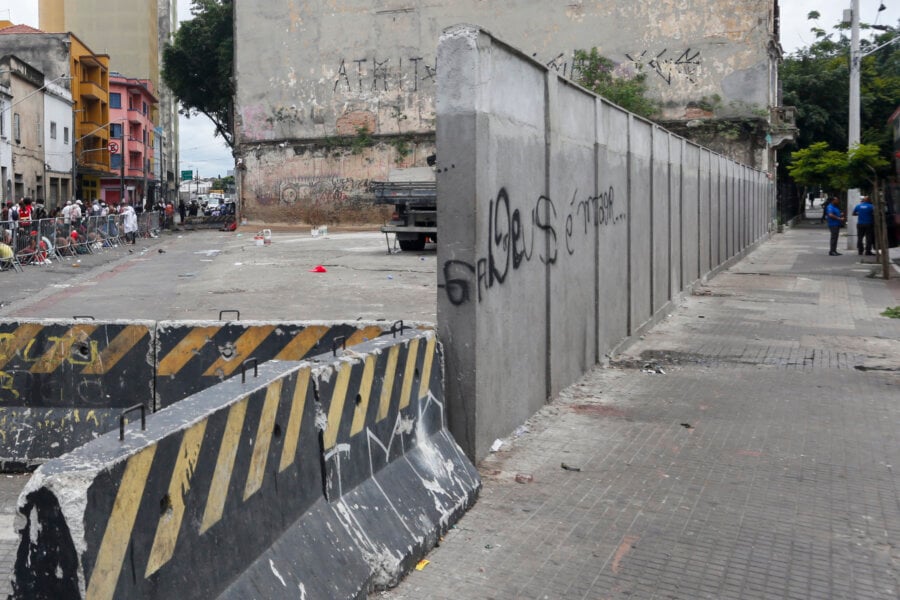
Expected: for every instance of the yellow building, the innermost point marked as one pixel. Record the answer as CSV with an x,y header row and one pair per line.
x,y
65,57
134,33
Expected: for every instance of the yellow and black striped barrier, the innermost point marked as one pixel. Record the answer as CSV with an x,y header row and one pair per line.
x,y
319,479
192,356
62,383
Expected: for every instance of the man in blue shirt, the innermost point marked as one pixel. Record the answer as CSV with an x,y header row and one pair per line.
x,y
865,225
835,217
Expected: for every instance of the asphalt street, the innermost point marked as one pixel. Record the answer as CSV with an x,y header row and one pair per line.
x,y
194,275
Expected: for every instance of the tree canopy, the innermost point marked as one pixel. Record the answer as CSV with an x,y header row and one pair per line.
x,y
197,66
598,74
816,80
819,165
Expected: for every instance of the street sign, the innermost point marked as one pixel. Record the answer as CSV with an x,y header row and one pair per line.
x,y
113,146
187,175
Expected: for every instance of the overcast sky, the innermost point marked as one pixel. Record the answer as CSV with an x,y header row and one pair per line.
x,y
202,152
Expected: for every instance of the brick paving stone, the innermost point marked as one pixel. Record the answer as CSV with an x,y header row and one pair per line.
x,y
782,485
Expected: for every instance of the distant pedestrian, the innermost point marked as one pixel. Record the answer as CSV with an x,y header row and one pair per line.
x,y
865,225
67,212
169,213
129,222
182,209
38,212
835,219
76,213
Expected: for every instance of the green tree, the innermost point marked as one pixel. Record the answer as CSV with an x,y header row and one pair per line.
x,y
597,73
818,165
198,65
816,80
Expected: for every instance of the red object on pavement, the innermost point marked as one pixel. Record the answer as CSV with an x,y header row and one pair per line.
x,y
318,269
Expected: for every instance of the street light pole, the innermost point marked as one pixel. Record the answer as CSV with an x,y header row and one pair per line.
x,y
122,170
853,125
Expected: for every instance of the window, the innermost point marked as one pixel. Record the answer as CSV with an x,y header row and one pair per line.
x,y
145,108
52,130
65,135
115,100
17,132
115,130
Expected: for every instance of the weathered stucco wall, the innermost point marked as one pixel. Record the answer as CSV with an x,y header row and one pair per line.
x,y
346,89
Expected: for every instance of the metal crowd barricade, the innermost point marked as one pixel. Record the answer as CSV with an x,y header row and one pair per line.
x,y
41,242
8,238
148,224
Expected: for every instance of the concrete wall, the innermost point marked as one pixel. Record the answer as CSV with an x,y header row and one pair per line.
x,y
567,225
309,76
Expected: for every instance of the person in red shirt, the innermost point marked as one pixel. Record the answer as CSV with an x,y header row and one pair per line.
x,y
24,212
170,215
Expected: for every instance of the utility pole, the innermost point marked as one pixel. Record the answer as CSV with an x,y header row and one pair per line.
x,y
853,125
122,171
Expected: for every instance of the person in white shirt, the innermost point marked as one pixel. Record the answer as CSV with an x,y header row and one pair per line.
x,y
67,212
129,222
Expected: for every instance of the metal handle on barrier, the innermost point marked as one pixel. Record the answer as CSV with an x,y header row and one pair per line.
x,y
237,312
244,369
84,317
334,344
394,328
128,410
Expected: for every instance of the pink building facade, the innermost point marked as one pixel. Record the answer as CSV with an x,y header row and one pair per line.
x,y
132,111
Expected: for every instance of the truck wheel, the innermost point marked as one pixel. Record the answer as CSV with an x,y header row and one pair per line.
x,y
413,245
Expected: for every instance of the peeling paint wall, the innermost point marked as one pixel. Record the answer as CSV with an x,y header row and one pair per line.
x,y
340,90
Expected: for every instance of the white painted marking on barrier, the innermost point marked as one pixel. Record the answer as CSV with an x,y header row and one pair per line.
x,y
277,574
336,454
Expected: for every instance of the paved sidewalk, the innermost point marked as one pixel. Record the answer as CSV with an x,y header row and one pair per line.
x,y
747,447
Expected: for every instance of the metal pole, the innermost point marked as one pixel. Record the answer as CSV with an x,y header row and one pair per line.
x,y
74,158
853,125
122,171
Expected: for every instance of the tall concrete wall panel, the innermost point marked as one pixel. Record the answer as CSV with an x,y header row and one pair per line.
x,y
573,296
676,149
640,248
704,215
611,223
660,232
722,198
714,209
567,225
690,214
495,265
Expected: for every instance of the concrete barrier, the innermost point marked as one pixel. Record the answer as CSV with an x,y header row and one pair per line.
x,y
321,479
194,355
64,382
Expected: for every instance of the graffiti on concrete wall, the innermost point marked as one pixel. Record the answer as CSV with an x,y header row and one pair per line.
x,y
516,237
325,188
373,74
669,65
